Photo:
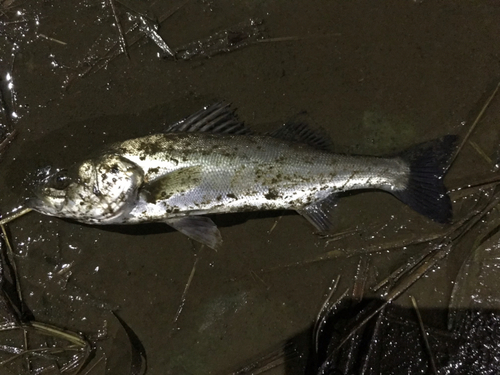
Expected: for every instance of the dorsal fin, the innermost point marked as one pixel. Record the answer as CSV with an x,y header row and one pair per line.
x,y
300,132
216,118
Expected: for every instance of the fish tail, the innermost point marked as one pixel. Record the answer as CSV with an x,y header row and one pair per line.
x,y
425,191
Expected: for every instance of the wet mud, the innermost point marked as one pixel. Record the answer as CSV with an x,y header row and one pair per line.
x,y
378,77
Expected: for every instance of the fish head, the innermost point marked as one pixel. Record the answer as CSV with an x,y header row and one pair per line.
x,y
100,190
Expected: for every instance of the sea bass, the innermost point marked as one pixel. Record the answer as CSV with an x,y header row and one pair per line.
x,y
210,163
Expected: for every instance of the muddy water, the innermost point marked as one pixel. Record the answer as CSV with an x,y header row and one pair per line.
x,y
377,76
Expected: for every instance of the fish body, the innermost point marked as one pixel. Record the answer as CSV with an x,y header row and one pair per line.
x,y
210,163
209,173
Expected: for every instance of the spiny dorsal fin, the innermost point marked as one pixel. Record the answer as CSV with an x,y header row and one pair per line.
x,y
216,118
300,132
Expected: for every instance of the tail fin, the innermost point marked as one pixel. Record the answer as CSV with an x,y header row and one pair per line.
x,y
426,192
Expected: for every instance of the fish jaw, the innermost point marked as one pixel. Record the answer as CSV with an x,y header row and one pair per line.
x,y
103,190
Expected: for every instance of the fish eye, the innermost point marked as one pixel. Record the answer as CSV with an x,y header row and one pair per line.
x,y
59,180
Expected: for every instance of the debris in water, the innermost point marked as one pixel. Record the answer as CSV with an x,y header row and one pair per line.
x,y
241,35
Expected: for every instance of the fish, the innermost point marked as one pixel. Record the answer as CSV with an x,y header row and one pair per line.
x,y
211,163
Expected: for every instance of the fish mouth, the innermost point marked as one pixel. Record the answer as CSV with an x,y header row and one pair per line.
x,y
45,186
34,202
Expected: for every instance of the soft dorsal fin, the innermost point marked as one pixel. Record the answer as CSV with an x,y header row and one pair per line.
x,y
300,132
216,118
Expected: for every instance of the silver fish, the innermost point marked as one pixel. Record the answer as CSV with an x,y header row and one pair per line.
x,y
211,163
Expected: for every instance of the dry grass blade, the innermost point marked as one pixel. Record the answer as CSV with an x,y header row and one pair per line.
x,y
12,262
6,142
424,335
325,310
474,125
121,35
486,183
340,235
139,360
50,330
52,39
365,316
14,216
96,363
296,38
265,362
77,342
395,275
238,36
373,342
358,288
480,151
186,288
435,255
115,51
274,225
413,262
412,239
484,243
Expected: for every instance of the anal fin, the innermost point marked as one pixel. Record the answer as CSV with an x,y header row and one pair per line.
x,y
198,228
319,214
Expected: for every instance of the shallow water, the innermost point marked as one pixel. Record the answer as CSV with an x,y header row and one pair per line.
x,y
377,76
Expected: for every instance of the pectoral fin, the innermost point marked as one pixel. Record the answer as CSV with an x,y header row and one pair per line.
x,y
198,228
319,214
178,181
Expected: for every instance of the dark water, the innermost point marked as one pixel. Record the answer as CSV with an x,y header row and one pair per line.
x,y
377,76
